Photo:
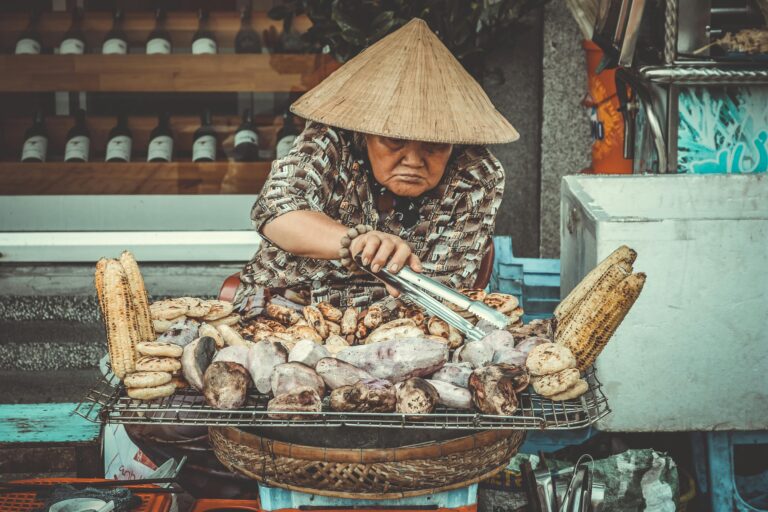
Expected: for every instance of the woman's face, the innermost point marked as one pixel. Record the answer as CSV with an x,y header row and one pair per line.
x,y
407,168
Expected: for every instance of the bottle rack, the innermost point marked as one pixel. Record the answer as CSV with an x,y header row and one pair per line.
x,y
24,78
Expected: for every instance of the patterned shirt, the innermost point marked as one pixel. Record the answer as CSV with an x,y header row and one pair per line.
x,y
327,171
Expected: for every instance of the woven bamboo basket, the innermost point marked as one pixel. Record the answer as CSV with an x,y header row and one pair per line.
x,y
367,473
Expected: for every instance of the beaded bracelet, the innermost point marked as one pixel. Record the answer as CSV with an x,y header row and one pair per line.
x,y
346,241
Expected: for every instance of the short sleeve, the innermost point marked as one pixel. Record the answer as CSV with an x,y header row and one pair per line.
x,y
303,179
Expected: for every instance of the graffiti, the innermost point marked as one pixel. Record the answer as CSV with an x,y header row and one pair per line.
x,y
735,160
723,130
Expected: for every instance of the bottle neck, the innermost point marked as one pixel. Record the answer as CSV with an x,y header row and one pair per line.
x,y
160,20
202,21
245,19
76,15
32,24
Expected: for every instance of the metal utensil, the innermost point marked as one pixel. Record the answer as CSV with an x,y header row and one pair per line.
x,y
425,292
579,488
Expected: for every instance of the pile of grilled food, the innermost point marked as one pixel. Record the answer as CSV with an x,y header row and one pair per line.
x,y
299,354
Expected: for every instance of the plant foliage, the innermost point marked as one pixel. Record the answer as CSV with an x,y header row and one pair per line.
x,y
468,28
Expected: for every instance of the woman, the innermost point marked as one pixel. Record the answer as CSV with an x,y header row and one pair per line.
x,y
396,141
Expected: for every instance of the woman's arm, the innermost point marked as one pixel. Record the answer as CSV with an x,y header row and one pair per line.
x,y
289,210
306,233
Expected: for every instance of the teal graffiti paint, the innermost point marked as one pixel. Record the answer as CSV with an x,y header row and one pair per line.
x,y
723,130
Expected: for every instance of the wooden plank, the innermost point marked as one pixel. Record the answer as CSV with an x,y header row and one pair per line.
x,y
99,178
44,423
12,131
164,73
137,25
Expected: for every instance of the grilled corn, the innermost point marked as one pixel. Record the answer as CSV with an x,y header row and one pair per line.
x,y
98,279
606,282
139,294
597,318
623,256
119,319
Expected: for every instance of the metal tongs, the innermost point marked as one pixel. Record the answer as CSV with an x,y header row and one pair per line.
x,y
425,292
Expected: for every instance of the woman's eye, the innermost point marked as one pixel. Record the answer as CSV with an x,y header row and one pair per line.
x,y
394,143
437,148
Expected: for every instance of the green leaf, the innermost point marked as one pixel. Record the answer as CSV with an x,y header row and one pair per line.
x,y
382,24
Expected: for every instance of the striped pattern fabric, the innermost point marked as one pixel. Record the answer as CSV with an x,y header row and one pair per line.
x,y
327,171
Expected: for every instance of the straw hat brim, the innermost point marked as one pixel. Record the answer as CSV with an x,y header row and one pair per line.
x,y
408,85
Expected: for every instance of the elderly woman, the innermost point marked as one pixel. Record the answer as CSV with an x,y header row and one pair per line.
x,y
395,141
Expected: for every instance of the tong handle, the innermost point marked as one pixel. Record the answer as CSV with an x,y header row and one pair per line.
x,y
415,287
435,288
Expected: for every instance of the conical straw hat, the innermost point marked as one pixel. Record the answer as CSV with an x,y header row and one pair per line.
x,y
407,85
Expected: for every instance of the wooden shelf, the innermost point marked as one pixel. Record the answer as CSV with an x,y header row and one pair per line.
x,y
12,131
137,25
99,178
164,73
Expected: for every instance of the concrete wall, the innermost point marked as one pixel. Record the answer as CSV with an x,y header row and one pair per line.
x,y
544,81
518,97
565,138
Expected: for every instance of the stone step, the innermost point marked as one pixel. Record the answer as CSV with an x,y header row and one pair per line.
x,y
66,308
50,386
76,279
44,345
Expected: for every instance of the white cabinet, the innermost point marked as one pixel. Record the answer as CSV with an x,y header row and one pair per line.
x,y
693,352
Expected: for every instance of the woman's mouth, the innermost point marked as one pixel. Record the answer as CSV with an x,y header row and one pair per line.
x,y
409,178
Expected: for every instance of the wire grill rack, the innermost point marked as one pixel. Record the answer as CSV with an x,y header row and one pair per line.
x,y
106,402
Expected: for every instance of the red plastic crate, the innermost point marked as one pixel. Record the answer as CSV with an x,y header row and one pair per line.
x,y
26,501
209,505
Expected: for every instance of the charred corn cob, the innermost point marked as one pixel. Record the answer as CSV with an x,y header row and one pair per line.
x,y
623,256
119,319
139,295
98,279
608,281
597,318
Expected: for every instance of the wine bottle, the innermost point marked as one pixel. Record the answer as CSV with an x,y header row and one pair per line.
x,y
115,42
30,42
35,146
78,140
204,141
246,140
203,42
120,142
247,40
287,135
159,40
160,147
73,42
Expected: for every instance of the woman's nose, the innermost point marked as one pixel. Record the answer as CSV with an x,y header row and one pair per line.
x,y
413,156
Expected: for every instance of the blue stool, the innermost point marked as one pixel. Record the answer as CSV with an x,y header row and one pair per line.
x,y
28,431
714,467
275,498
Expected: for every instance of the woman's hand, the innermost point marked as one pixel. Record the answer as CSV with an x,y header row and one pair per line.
x,y
382,250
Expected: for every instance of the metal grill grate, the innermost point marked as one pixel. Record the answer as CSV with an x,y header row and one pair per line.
x,y
107,402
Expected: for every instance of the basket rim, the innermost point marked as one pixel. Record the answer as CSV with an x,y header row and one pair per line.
x,y
370,496
429,450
